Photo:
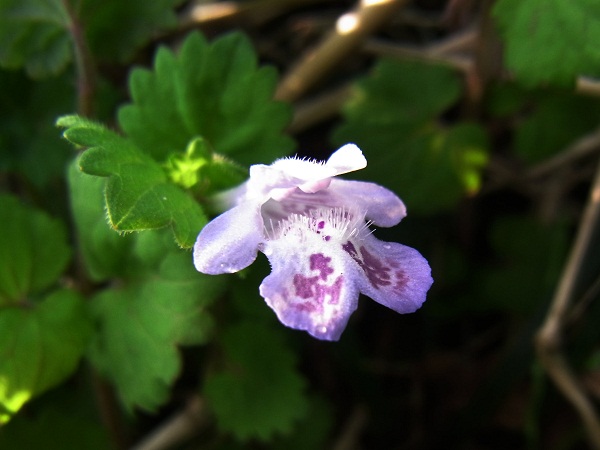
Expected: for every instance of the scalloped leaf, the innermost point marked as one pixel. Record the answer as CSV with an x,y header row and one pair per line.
x,y
216,91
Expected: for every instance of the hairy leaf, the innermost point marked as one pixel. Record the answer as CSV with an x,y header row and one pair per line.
x,y
550,41
40,346
138,193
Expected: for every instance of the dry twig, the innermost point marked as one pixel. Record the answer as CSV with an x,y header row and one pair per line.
x,y
549,337
351,28
178,429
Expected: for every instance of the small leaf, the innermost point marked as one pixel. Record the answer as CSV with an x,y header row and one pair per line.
x,y
258,392
142,322
41,346
203,170
215,91
138,193
550,41
33,250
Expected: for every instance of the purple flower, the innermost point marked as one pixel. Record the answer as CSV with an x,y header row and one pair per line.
x,y
314,229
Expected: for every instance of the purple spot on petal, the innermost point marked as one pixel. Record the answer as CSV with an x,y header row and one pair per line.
x,y
320,262
401,280
304,285
380,273
327,238
321,225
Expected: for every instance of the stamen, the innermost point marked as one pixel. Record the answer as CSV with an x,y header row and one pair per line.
x,y
328,223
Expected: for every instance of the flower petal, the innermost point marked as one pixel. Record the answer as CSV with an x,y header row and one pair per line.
x,y
311,287
382,206
229,242
347,158
392,274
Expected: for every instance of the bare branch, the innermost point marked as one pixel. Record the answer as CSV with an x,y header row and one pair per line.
x,y
178,428
549,337
351,29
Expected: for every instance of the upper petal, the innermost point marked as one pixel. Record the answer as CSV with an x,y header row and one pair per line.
x,y
392,274
229,242
381,205
347,158
311,286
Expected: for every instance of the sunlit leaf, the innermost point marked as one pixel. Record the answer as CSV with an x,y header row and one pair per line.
x,y
41,345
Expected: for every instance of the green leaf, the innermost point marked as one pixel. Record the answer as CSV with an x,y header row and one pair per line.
x,y
138,193
550,41
203,170
257,393
215,91
33,250
36,34
141,323
392,117
41,346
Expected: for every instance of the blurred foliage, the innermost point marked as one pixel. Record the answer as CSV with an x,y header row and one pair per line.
x,y
550,41
107,328
393,114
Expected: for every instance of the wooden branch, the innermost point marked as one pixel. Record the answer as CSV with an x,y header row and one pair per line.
x,y
583,147
319,109
549,337
351,29
252,11
177,429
